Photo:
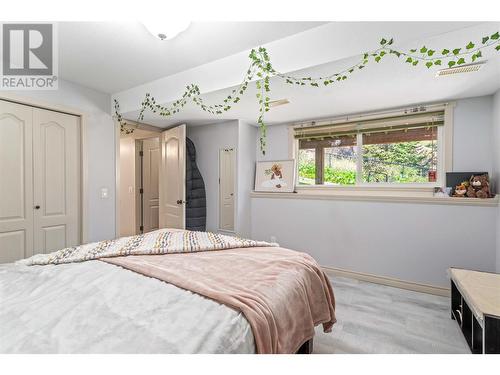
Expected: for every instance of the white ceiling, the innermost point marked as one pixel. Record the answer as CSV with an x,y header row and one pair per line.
x,y
112,56
388,84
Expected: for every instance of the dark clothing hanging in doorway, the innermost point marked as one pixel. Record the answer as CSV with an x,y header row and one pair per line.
x,y
196,206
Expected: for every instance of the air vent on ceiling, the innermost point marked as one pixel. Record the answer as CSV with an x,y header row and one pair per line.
x,y
460,69
276,103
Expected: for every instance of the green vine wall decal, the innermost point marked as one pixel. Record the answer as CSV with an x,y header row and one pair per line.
x,y
262,70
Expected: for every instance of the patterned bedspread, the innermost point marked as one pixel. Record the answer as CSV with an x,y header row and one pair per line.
x,y
162,241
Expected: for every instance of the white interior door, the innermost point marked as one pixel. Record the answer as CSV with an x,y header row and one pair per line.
x,y
150,183
56,180
172,209
226,189
16,185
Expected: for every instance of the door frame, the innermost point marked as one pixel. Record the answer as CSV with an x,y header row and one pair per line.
x,y
83,155
138,125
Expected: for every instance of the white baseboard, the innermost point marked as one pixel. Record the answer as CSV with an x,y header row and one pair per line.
x,y
389,281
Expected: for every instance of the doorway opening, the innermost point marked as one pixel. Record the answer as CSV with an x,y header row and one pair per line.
x,y
138,184
151,180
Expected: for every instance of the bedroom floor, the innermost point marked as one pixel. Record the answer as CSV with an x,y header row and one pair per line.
x,y
374,318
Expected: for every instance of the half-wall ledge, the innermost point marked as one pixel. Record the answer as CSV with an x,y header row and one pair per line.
x,y
373,197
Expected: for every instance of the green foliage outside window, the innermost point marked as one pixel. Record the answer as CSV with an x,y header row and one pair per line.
x,y
405,162
332,175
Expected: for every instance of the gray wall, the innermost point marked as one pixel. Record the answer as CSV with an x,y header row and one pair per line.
x,y
208,140
496,165
413,242
100,150
245,179
277,143
472,135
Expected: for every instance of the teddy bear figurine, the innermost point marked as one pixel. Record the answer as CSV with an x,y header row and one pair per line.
x,y
479,187
460,190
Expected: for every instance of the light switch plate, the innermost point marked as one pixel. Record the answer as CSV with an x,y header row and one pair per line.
x,y
104,193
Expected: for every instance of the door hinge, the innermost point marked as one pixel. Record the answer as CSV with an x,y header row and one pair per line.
x,y
141,191
141,153
141,228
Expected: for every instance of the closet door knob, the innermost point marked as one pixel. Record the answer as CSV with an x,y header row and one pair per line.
x,y
37,207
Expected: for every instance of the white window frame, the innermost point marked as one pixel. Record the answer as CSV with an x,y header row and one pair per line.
x,y
444,156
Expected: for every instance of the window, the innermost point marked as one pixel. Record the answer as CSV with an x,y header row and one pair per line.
x,y
393,150
329,161
403,156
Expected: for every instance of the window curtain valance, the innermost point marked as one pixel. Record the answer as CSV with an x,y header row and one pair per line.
x,y
347,130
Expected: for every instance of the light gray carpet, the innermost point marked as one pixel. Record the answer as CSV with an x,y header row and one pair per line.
x,y
374,318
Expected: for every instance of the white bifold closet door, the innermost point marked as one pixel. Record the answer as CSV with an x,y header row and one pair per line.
x,y
39,181
16,182
56,171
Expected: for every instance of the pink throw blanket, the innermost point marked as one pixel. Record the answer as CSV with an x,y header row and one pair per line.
x,y
282,293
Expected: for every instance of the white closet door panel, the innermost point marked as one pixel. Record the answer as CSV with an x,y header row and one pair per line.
x,y
16,185
151,170
56,174
154,218
53,168
54,237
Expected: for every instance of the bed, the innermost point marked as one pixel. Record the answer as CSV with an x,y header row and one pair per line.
x,y
232,297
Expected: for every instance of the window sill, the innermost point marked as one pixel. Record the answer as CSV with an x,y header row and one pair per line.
x,y
385,189
381,196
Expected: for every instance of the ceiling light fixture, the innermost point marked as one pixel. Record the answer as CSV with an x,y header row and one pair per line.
x,y
467,68
165,30
276,103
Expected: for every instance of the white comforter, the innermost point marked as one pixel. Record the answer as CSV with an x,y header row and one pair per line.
x,y
95,307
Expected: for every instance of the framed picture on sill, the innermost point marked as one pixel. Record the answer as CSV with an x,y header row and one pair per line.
x,y
275,176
